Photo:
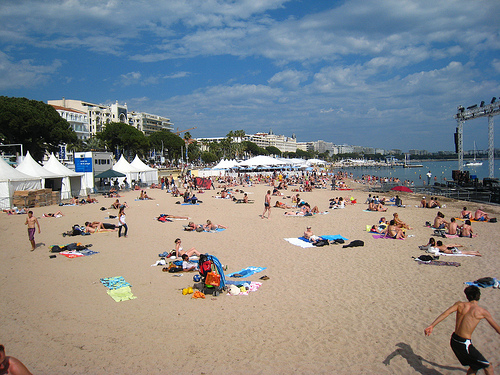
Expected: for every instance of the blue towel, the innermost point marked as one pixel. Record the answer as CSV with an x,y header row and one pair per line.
x,y
249,271
328,237
495,282
88,252
114,282
217,230
190,204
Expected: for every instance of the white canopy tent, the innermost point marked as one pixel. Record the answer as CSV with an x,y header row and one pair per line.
x,y
262,161
49,179
226,164
123,166
12,180
72,181
147,174
315,162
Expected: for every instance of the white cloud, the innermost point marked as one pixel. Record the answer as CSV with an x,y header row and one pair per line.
x,y
23,73
289,78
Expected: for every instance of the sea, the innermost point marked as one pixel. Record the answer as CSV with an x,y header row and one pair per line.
x,y
440,169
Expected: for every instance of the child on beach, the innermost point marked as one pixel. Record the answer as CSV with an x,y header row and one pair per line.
x,y
31,221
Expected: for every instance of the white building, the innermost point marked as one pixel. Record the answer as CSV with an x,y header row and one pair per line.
x,y
284,144
78,121
148,123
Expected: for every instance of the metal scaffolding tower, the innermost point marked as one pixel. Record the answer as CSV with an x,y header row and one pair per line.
x,y
472,112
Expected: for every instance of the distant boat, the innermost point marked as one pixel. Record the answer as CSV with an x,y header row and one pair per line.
x,y
474,163
407,163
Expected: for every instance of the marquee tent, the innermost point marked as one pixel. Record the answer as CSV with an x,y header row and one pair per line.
x,y
71,185
262,161
147,174
12,180
49,179
226,164
131,172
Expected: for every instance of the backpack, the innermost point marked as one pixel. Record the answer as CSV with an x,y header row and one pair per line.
x,y
76,230
205,265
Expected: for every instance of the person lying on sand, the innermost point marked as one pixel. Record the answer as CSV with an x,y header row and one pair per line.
x,y
97,226
453,249
187,265
211,226
57,214
282,205
372,206
15,211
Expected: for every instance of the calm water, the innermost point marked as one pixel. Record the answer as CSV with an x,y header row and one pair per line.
x,y
441,169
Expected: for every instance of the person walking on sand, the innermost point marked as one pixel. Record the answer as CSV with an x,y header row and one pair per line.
x,y
122,223
31,221
267,205
469,314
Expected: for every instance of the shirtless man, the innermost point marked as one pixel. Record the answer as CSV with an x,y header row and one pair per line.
x,y
400,223
31,221
453,249
465,214
439,221
466,229
267,205
10,365
469,314
452,226
97,226
480,215
311,236
211,226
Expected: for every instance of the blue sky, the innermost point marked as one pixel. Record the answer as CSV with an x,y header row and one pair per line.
x,y
384,73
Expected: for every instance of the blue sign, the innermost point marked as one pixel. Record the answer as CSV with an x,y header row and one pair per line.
x,y
83,165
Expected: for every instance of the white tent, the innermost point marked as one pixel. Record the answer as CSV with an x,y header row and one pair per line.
x,y
12,180
71,183
147,175
226,164
30,167
123,166
315,162
262,161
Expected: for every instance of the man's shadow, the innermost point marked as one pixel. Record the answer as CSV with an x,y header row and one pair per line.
x,y
416,361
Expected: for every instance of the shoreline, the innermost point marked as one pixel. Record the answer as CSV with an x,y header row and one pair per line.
x,y
323,310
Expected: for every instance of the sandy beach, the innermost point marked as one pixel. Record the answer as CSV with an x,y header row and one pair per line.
x,y
328,310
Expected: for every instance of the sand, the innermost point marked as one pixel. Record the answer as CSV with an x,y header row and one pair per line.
x,y
323,310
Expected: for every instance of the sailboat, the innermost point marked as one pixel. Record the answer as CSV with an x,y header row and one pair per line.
x,y
474,163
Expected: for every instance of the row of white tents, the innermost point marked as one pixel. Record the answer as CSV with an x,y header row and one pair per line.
x,y
263,161
29,175
135,171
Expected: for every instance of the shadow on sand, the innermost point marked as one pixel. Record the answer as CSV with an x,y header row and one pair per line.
x,y
417,362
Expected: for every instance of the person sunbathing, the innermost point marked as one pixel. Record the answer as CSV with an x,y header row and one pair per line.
x,y
187,265
57,214
480,215
91,200
466,229
282,205
464,214
211,226
439,221
453,249
179,252
423,203
97,226
308,234
15,211
372,206
193,227
400,223
394,231
452,227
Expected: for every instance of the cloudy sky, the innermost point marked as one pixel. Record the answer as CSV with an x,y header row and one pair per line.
x,y
382,73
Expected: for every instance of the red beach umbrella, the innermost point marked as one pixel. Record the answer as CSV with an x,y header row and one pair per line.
x,y
402,188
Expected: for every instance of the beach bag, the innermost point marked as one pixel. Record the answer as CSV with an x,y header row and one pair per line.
x,y
199,228
493,220
321,243
212,279
76,230
425,258
56,249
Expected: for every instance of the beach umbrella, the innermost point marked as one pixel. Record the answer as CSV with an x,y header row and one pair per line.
x,y
402,188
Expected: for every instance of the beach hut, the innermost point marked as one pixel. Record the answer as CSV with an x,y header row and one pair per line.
x,y
71,182
12,180
147,174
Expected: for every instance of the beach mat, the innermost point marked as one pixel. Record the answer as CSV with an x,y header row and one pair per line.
x,y
121,294
245,272
439,263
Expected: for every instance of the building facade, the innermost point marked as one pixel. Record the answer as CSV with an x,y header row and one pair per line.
x,y
78,121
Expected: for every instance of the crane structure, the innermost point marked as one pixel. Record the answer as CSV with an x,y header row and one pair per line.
x,y
470,113
183,131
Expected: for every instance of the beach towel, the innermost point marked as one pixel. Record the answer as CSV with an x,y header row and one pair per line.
x,y
439,263
298,242
190,204
121,294
455,255
253,287
334,237
78,254
115,282
245,272
215,231
485,282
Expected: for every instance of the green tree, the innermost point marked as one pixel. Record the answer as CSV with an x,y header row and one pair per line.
x,y
35,124
253,149
118,135
273,150
209,157
171,143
